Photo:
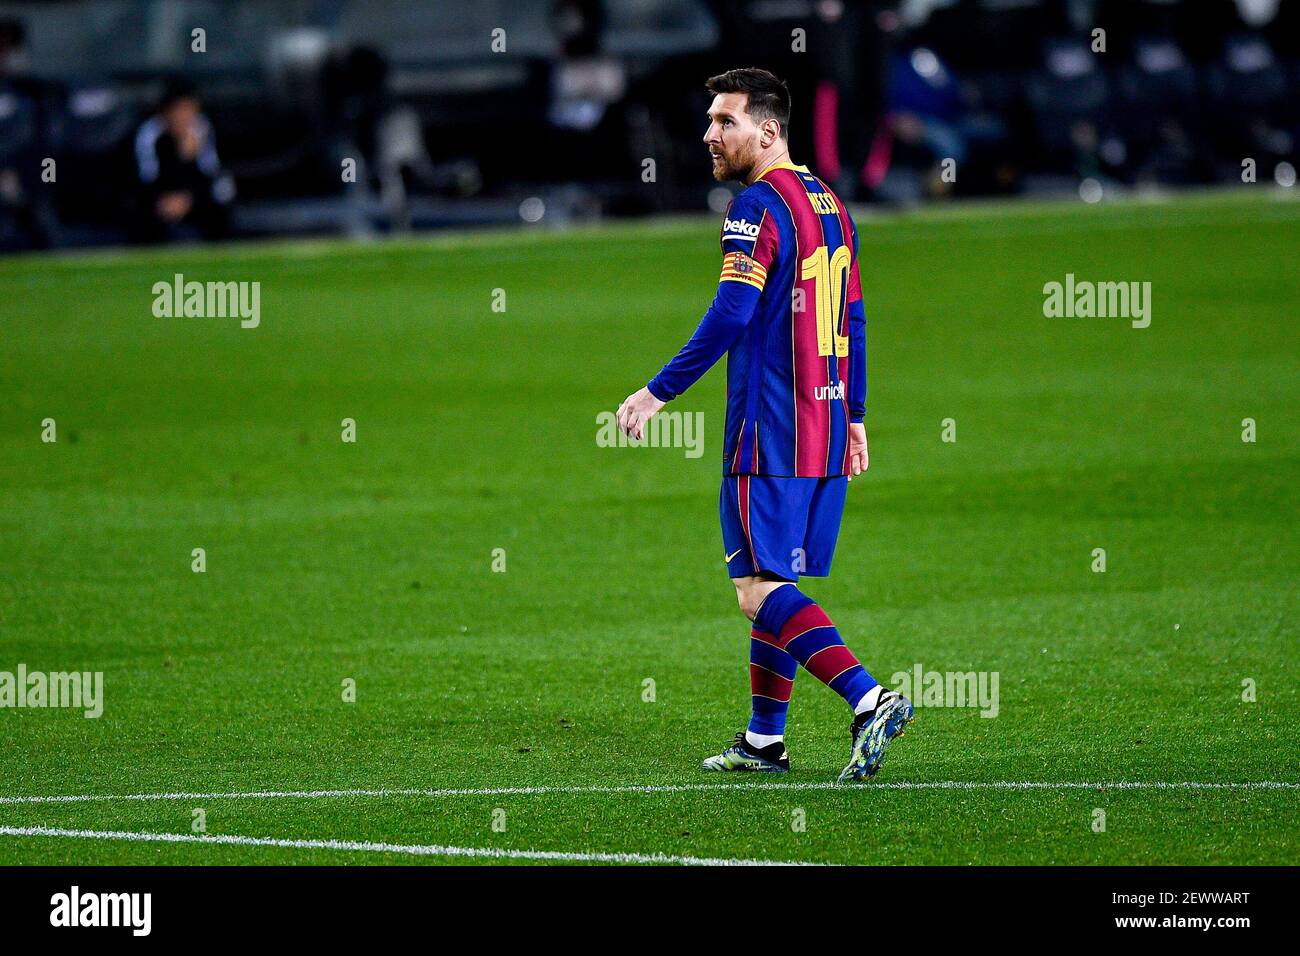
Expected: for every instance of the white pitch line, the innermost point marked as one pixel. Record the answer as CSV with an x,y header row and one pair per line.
x,y
406,848
656,788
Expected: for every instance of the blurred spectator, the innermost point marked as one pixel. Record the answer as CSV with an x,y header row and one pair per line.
x,y
27,217
13,48
584,83
854,43
183,191
585,88
927,117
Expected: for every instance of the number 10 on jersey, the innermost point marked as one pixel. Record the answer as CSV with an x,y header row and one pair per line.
x,y
829,272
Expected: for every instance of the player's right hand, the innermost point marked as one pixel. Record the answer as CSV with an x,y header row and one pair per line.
x,y
858,456
637,409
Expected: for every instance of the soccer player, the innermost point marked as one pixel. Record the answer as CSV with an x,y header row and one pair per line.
x,y
788,313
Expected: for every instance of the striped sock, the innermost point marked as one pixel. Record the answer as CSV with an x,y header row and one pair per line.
x,y
771,678
806,634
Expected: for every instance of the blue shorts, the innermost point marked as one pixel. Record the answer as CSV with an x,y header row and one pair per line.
x,y
787,526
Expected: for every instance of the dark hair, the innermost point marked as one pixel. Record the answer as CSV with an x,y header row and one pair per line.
x,y
12,32
177,88
769,97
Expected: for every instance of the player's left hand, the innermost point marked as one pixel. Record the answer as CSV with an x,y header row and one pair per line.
x,y
637,409
858,457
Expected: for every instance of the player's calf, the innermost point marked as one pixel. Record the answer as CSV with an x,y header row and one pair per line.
x,y
802,629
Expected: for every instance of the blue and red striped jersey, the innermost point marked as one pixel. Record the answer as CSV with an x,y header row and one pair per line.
x,y
789,315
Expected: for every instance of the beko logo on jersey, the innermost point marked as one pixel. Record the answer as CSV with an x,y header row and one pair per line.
x,y
740,227
829,392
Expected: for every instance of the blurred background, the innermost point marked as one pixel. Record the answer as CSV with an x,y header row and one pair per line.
x,y
174,120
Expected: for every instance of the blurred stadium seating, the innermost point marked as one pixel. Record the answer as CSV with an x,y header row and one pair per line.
x,y
445,130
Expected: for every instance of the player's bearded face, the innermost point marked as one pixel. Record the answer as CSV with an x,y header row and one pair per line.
x,y
734,157
732,138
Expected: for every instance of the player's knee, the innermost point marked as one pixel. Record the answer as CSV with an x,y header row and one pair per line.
x,y
748,595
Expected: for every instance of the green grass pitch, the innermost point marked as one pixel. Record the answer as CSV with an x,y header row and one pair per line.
x,y
476,430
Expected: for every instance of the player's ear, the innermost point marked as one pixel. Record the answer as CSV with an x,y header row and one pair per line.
x,y
769,132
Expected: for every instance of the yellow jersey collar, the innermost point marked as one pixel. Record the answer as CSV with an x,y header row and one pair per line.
x,y
797,169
